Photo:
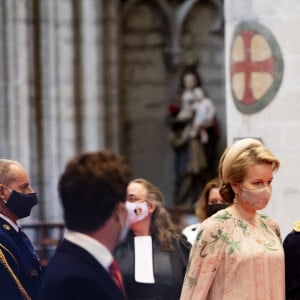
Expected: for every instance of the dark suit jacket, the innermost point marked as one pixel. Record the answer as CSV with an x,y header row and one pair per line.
x,y
73,273
22,260
291,245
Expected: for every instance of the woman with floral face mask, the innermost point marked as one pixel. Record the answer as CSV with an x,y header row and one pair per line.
x,y
239,253
154,255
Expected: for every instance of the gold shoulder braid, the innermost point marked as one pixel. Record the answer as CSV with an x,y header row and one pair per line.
x,y
12,256
13,275
297,226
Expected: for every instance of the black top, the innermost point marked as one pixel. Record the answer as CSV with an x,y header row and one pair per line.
x,y
169,270
291,245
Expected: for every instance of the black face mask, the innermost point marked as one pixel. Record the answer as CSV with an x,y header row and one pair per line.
x,y
21,204
213,208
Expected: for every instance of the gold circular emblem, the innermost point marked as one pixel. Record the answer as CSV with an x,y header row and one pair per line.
x,y
6,227
297,226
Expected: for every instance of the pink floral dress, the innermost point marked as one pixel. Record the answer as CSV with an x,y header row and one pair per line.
x,y
232,259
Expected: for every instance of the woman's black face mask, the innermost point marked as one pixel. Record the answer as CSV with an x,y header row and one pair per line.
x,y
213,208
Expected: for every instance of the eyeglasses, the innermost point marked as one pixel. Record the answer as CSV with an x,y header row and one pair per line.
x,y
134,198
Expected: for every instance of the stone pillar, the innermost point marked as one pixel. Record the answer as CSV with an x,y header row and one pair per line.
x,y
262,57
58,109
98,26
111,65
17,110
14,103
92,75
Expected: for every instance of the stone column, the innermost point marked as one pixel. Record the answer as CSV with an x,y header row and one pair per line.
x,y
17,105
92,75
111,40
98,30
14,95
58,109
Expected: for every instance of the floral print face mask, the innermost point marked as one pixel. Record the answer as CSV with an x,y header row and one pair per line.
x,y
258,198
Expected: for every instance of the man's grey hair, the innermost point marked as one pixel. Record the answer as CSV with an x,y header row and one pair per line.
x,y
7,175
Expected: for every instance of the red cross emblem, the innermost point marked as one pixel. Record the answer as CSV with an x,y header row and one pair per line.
x,y
256,67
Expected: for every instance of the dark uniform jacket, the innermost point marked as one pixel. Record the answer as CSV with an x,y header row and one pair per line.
x,y
291,245
73,273
169,270
19,266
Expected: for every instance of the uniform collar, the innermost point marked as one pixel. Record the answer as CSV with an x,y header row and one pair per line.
x,y
14,225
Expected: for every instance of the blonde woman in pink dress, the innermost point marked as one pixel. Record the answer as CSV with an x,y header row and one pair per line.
x,y
238,253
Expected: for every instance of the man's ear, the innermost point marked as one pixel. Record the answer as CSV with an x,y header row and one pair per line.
x,y
119,211
2,191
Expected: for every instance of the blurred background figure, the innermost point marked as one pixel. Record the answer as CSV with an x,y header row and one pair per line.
x,y
291,245
209,203
154,255
193,137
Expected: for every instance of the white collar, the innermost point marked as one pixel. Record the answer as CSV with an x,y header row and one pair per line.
x,y
95,248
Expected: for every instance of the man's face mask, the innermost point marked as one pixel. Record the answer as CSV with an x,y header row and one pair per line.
x,y
21,204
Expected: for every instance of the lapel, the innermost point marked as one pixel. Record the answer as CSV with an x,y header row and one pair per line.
x,y
16,243
97,270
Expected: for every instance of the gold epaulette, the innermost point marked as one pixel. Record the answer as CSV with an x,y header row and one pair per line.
x,y
297,226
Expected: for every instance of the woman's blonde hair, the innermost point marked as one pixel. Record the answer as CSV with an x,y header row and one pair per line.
x,y
236,161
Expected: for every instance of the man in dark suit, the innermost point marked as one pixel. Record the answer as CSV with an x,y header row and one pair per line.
x,y
20,270
92,190
291,245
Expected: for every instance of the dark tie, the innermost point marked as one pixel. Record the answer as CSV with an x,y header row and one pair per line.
x,y
117,276
27,243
